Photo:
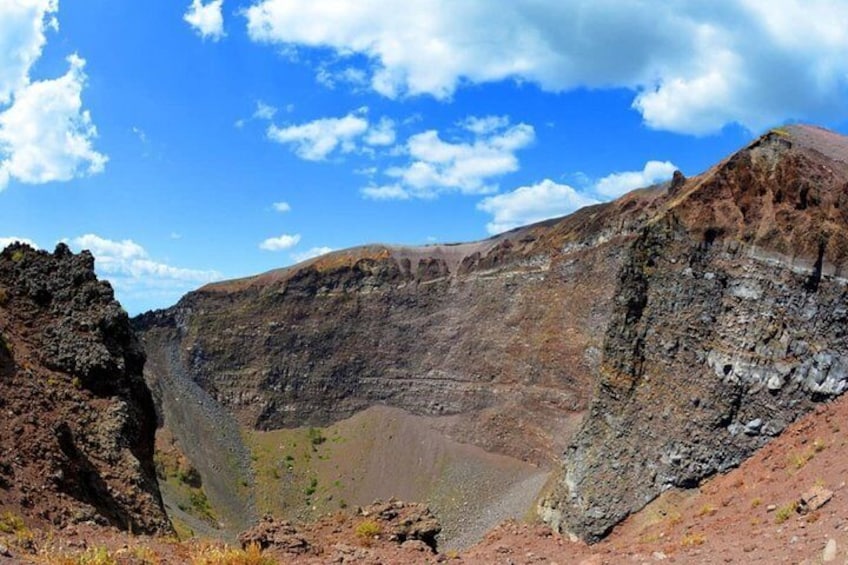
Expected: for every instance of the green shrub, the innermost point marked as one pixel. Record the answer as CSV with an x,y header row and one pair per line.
x,y
367,529
784,512
316,437
11,523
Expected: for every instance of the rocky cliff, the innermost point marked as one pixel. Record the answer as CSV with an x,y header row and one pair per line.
x,y
728,323
502,337
654,340
77,425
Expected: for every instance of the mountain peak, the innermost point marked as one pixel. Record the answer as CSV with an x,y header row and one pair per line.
x,y
784,196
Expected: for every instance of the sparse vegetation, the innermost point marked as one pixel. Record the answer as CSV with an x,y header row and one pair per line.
x,y
799,459
316,437
214,555
367,530
189,476
693,539
707,510
313,486
4,346
91,556
756,502
11,523
200,503
785,512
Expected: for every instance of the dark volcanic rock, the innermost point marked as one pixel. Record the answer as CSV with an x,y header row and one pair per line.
x,y
280,536
729,323
76,436
403,521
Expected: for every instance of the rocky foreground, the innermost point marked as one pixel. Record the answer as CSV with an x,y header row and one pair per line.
x,y
786,504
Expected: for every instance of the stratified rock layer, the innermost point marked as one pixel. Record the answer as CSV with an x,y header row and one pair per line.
x,y
77,425
729,323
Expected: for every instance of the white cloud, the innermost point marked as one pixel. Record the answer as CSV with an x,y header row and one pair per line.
x,y
264,111
22,38
45,135
467,166
311,253
616,184
381,134
529,204
385,192
318,139
136,277
692,67
487,124
314,141
206,19
280,243
548,199
140,133
7,241
281,206
356,78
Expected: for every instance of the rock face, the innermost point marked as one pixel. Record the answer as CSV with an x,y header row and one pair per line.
x,y
502,336
77,425
678,328
729,322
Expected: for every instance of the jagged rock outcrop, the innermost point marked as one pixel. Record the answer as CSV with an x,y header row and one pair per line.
x,y
77,425
729,323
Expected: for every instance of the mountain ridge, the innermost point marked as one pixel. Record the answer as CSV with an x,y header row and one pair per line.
x,y
524,343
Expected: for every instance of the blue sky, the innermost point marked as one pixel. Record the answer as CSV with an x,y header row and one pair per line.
x,y
185,142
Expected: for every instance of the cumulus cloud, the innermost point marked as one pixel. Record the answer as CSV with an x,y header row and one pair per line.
x,y
529,204
137,278
206,19
549,199
691,68
7,241
616,184
467,165
311,253
318,139
128,258
381,134
45,135
386,192
314,141
281,206
264,111
280,243
22,25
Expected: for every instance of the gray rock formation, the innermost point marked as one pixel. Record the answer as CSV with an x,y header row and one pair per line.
x,y
729,323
